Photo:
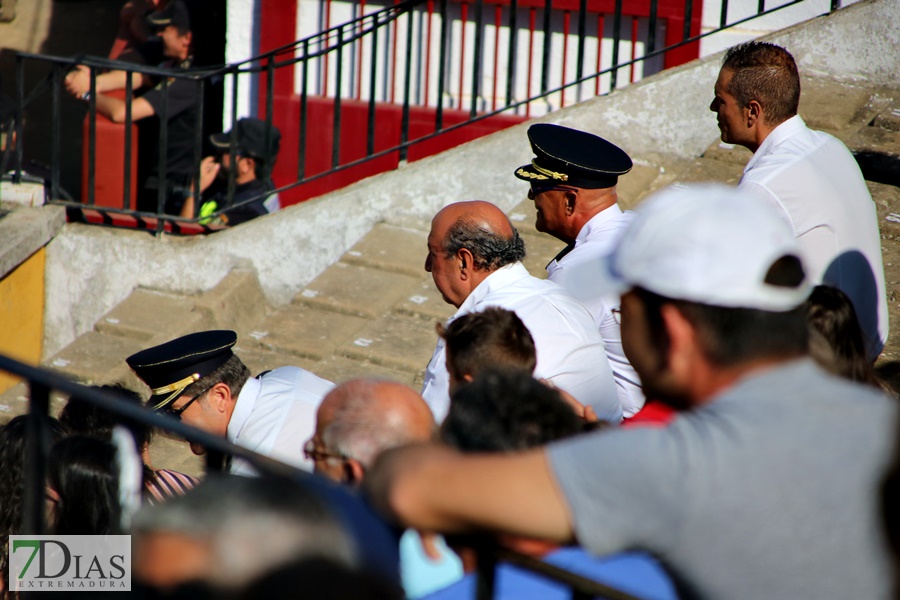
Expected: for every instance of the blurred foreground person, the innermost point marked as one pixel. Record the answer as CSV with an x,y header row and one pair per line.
x,y
764,486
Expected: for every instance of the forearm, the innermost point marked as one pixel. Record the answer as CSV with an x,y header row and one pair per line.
x,y
432,487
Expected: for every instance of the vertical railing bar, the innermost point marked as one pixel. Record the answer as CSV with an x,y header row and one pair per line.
x,y
37,440
56,133
92,137
485,578
476,56
129,98
370,127
651,27
463,20
511,55
548,38
723,16
301,154
20,115
198,147
567,20
617,38
358,44
498,18
404,126
600,27
163,153
393,74
835,5
442,67
232,141
532,18
634,41
688,15
582,25
761,7
270,107
336,122
430,26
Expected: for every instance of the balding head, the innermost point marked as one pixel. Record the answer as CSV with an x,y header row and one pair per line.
x,y
468,241
361,418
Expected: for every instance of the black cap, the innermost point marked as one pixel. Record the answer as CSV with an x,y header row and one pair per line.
x,y
171,367
251,139
175,13
571,157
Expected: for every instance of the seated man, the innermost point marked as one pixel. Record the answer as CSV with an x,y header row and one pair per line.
x,y
474,257
764,486
197,379
509,411
357,421
252,164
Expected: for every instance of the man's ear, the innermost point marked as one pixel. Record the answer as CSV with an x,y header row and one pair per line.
x,y
683,342
352,471
754,113
466,262
571,200
220,397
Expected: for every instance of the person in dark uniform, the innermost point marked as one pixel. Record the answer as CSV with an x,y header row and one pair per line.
x,y
251,163
181,98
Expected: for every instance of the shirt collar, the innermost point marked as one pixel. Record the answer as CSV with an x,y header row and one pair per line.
x,y
243,407
500,278
777,135
597,222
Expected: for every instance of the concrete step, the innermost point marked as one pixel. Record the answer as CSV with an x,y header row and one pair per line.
x,y
709,169
147,314
306,331
356,290
833,106
393,249
394,341
98,358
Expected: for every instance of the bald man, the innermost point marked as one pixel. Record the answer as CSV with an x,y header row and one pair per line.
x,y
360,419
474,257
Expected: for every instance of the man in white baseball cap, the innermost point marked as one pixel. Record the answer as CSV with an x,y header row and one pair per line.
x,y
765,484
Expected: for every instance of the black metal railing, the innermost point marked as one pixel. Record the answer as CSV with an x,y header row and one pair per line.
x,y
41,382
402,57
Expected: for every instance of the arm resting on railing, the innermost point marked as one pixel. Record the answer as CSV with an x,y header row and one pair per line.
x,y
78,81
433,487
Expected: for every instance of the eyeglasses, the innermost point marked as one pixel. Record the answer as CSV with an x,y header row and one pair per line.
x,y
314,453
617,315
175,413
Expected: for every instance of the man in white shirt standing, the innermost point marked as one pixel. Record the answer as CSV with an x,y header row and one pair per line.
x,y
197,379
573,184
474,256
810,178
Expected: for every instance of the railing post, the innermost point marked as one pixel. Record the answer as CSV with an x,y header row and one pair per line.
x,y
336,122
129,96
373,89
579,65
404,127
835,5
36,454
270,104
198,148
163,153
487,571
476,56
92,139
55,129
617,38
548,38
301,154
232,142
511,56
442,66
651,27
20,114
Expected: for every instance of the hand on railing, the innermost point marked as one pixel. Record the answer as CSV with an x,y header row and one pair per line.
x,y
78,81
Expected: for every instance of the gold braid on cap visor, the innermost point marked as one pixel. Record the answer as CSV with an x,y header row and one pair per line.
x,y
176,389
544,173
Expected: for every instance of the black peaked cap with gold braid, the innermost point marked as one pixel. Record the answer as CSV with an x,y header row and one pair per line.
x,y
574,158
169,368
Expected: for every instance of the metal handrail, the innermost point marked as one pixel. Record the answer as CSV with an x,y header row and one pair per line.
x,y
318,60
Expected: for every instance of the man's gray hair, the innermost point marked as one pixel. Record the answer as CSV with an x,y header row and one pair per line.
x,y
252,525
491,250
357,431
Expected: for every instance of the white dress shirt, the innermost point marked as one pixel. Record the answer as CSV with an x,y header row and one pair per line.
x,y
815,184
275,415
570,352
576,272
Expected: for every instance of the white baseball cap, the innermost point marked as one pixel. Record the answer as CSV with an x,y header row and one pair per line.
x,y
706,243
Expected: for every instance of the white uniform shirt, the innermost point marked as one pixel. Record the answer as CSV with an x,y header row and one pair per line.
x,y
275,415
576,272
815,184
569,349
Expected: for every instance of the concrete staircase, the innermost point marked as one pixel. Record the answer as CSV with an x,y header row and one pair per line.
x,y
372,313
